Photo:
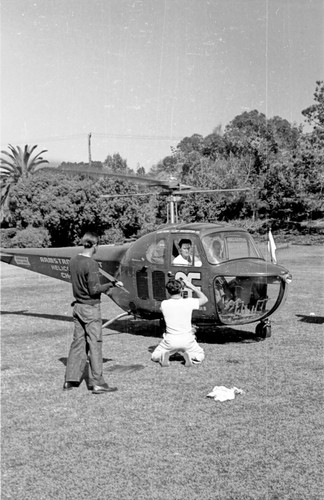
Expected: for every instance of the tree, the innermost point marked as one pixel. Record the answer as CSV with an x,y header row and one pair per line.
x,y
116,163
189,144
213,146
284,135
140,170
249,134
315,113
15,165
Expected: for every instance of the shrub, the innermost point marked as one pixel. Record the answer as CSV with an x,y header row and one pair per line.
x,y
112,235
31,237
6,236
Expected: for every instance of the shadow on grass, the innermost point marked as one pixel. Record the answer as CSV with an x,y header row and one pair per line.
x,y
305,318
177,357
64,360
227,335
123,369
207,335
145,328
221,336
56,317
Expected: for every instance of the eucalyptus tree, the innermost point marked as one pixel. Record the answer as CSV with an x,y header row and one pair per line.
x,y
14,165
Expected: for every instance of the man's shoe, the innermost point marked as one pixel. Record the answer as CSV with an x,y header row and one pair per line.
x,y
101,389
67,386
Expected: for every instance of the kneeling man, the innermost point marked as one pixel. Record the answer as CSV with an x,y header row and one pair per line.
x,y
179,335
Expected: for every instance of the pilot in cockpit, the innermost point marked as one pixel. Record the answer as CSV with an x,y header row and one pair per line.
x,y
185,257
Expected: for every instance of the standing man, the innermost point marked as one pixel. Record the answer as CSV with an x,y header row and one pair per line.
x,y
87,337
179,335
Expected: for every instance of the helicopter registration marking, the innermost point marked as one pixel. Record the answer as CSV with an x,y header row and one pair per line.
x,y
54,260
188,277
58,264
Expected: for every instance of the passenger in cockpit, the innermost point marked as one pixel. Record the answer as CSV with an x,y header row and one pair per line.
x,y
215,253
156,252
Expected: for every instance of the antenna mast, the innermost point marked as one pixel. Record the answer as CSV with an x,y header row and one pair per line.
x,y
89,148
173,208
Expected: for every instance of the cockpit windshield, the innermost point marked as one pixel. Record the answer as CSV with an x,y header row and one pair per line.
x,y
220,247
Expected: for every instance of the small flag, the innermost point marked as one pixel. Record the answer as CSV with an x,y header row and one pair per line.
x,y
272,247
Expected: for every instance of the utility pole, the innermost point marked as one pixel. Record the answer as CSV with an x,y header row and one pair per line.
x,y
89,148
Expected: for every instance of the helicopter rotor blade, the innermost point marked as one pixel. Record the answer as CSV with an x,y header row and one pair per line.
x,y
127,195
136,179
193,191
168,193
172,185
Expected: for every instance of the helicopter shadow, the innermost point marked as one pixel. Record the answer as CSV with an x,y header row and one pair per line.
x,y
152,328
227,335
208,335
55,317
24,312
220,336
306,318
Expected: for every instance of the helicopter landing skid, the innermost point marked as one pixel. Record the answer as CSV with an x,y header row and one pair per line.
x,y
122,315
263,329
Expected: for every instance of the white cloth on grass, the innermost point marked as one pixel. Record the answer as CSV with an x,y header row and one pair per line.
x,y
221,393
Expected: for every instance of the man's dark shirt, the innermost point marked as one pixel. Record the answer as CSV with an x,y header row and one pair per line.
x,y
85,279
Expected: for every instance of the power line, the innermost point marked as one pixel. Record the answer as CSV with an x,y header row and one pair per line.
x,y
144,137
97,135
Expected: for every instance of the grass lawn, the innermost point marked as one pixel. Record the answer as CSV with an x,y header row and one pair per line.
x,y
159,436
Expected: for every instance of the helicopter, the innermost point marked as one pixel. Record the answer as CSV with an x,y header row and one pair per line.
x,y
222,260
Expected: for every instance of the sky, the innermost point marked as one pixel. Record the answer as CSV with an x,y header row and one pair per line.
x,y
140,75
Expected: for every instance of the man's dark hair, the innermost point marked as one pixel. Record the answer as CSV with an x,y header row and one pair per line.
x,y
184,241
174,287
90,239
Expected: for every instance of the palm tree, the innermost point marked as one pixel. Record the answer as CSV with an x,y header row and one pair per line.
x,y
19,164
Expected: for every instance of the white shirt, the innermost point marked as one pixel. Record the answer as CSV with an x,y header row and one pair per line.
x,y
177,314
181,261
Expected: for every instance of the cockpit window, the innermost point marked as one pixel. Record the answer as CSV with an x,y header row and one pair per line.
x,y
222,246
240,246
156,252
